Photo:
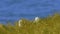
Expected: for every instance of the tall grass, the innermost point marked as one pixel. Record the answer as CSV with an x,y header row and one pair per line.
x,y
48,25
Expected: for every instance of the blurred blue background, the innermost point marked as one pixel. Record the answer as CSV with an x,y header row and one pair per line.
x,y
13,10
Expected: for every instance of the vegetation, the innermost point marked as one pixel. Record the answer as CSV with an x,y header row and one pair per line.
x,y
49,25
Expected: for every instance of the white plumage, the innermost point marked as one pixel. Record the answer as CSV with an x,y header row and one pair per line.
x,y
36,19
19,22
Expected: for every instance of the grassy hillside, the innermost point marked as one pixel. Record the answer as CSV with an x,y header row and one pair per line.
x,y
48,25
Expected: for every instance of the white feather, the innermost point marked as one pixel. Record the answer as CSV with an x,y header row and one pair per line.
x,y
36,19
19,22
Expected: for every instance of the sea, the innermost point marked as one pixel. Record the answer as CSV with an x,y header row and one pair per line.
x,y
14,10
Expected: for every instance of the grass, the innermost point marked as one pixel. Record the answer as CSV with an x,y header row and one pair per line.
x,y
48,25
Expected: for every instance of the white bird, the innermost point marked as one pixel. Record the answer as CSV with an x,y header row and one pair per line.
x,y
19,22
36,19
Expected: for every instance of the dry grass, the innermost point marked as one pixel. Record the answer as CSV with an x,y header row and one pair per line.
x,y
49,25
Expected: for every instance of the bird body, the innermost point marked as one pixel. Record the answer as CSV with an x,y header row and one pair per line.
x,y
19,23
36,19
